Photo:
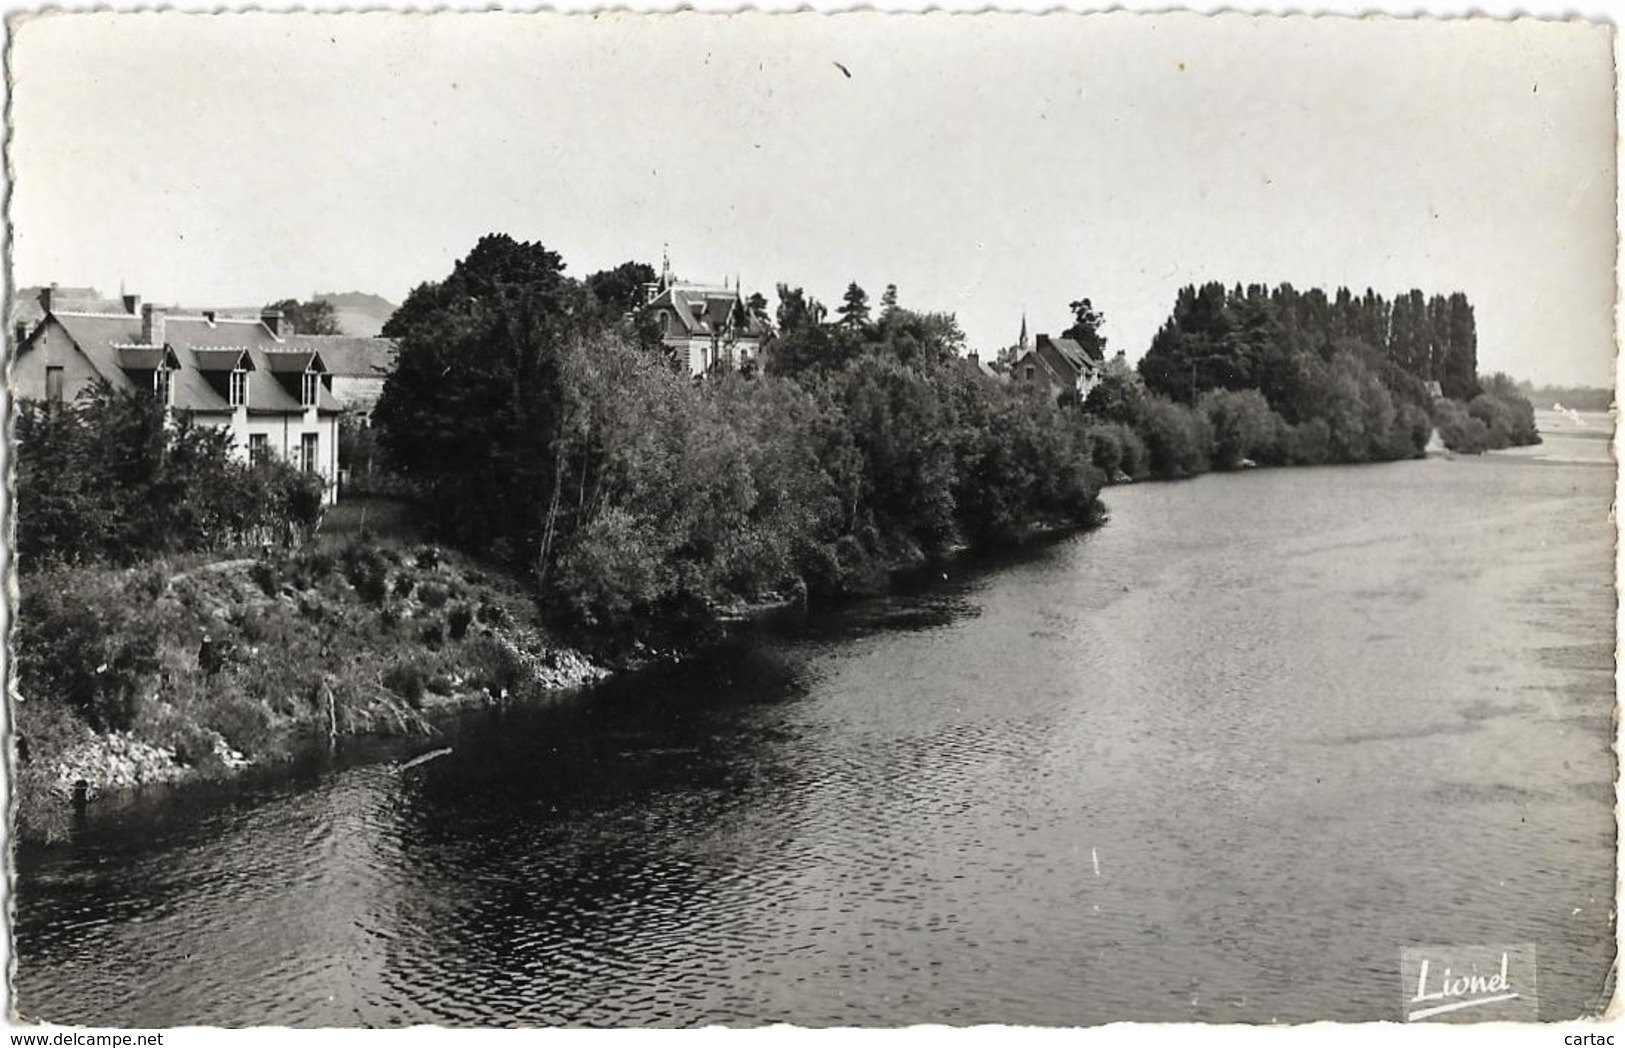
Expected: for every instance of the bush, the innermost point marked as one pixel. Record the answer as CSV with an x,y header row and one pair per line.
x,y
1306,444
458,619
408,680
433,595
1176,439
246,725
1242,424
311,568
367,571
267,576
80,641
494,667
1115,448
1460,431
403,585
113,478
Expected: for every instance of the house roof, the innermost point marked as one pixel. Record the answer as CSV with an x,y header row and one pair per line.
x,y
205,351
706,310
294,361
145,358
348,356
1065,358
221,358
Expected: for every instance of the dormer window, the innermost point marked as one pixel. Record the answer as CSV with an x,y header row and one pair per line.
x,y
239,387
163,386
312,382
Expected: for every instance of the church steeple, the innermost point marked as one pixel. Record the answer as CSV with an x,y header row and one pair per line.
x,y
1023,341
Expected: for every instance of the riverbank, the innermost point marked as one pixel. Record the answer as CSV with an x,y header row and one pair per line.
x,y
199,668
179,671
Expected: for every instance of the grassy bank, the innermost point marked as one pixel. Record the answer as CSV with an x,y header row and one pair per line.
x,y
193,667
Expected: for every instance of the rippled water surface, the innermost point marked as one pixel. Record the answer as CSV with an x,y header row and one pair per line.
x,y
1220,760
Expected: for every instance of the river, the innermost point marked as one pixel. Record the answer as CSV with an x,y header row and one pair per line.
x,y
1220,760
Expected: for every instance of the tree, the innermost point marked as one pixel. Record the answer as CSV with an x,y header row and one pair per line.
x,y
888,301
756,305
488,281
918,338
620,290
797,310
1120,395
1085,329
315,317
1242,423
113,477
474,404
1458,376
854,309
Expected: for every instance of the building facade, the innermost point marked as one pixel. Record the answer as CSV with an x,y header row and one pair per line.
x,y
706,327
1059,363
268,387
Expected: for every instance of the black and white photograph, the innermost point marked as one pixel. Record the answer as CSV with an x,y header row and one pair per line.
x,y
866,519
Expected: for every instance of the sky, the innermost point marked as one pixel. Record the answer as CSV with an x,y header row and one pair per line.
x,y
992,166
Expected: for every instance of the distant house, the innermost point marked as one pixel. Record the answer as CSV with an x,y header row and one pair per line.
x,y
985,369
356,369
705,326
268,387
1060,363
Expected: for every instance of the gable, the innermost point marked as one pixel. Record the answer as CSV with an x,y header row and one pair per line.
x,y
53,345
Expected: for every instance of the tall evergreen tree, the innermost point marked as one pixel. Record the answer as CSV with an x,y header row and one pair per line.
x,y
1458,376
888,301
854,309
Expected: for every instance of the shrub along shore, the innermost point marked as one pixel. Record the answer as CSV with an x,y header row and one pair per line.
x,y
197,666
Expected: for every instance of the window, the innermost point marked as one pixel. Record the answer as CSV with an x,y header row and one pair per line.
x,y
53,384
307,452
311,381
259,449
163,386
1030,371
239,388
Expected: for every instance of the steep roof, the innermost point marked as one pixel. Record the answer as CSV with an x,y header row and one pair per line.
x,y
706,310
1065,357
348,356
206,352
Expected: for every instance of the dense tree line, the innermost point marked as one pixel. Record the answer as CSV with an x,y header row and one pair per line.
x,y
1347,377
1575,398
546,432
109,478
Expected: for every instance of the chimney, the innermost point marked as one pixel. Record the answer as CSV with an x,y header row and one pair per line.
x,y
46,297
132,304
21,332
152,325
209,315
272,319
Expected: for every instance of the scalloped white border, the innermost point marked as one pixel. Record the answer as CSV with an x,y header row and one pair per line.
x,y
1136,1035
